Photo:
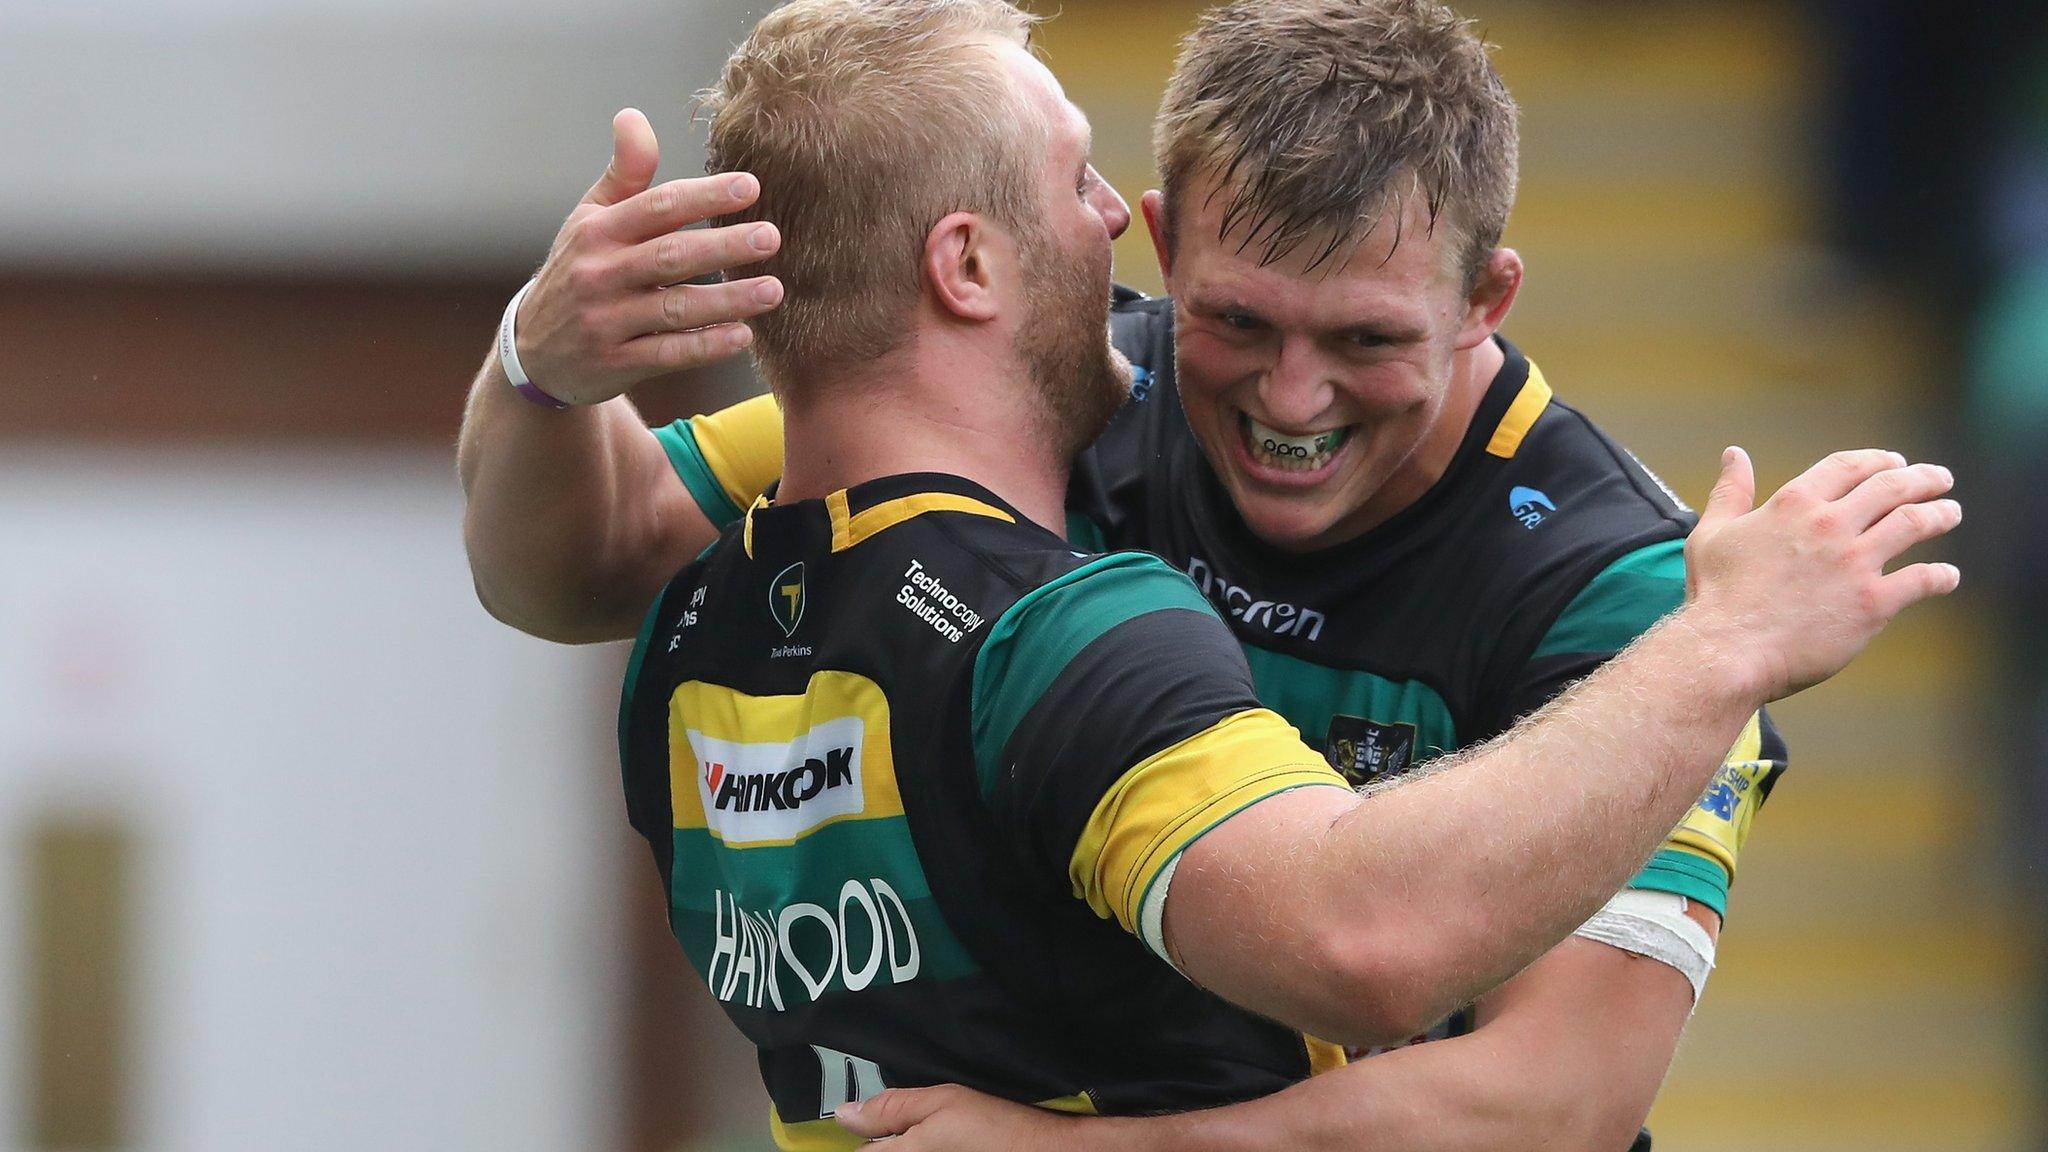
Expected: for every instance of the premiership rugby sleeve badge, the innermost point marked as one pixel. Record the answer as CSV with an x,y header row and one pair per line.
x,y
1367,750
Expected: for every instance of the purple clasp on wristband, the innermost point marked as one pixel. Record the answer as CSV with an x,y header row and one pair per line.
x,y
508,356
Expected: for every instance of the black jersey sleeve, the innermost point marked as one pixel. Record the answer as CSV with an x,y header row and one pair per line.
x,y
1114,722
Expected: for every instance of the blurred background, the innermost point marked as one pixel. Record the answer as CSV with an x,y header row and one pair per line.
x,y
300,849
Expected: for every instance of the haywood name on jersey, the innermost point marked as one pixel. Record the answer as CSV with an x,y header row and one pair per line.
x,y
869,936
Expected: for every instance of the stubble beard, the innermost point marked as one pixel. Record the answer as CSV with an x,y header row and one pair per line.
x,y
1082,380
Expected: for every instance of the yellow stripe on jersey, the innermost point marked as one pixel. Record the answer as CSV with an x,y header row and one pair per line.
x,y
756,734
747,529
1324,1056
842,520
1737,791
828,1136
742,446
848,530
1521,416
1168,801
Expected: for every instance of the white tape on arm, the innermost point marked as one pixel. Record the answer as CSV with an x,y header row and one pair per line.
x,y
1654,924
1152,916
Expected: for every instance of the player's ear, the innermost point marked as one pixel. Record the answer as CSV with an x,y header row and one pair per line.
x,y
1493,293
962,259
1153,204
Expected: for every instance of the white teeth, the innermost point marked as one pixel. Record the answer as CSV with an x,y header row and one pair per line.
x,y
1291,453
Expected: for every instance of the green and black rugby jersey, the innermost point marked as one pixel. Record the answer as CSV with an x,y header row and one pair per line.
x,y
911,769
1545,548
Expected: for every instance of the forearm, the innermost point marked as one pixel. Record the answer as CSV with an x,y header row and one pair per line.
x,y
1394,909
575,518
565,540
1569,1054
1549,821
1446,1096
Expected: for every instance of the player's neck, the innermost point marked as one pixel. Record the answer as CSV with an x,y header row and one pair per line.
x,y
965,415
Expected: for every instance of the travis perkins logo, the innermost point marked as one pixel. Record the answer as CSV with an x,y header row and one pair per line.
x,y
786,598
782,790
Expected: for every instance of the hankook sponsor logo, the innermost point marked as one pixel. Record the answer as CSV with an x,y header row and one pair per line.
x,y
1277,617
775,791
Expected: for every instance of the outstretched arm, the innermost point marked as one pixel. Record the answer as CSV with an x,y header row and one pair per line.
x,y
574,518
1365,920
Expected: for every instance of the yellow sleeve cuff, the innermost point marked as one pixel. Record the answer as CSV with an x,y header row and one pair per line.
x,y
1716,827
742,446
1169,800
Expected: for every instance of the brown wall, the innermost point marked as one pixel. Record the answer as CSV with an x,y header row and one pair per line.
x,y
209,359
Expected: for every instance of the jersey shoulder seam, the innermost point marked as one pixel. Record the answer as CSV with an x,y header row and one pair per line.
x,y
1639,482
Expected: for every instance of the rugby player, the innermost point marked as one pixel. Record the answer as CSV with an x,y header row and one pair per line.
x,y
1372,742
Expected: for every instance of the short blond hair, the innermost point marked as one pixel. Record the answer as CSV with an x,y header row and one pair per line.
x,y
868,122
1316,118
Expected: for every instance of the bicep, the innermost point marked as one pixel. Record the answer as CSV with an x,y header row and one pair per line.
x,y
1247,915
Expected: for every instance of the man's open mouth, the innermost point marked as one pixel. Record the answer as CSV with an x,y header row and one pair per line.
x,y
1276,449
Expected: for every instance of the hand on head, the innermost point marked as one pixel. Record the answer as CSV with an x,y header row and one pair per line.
x,y
610,308
1797,587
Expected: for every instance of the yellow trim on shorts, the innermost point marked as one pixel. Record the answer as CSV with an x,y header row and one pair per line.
x,y
1169,800
1521,416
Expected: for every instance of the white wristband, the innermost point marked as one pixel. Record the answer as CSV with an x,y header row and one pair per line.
x,y
508,353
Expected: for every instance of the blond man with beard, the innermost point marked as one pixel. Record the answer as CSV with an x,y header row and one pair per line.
x,y
1377,376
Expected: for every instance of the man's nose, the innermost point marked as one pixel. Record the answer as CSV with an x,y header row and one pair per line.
x,y
1116,215
1296,389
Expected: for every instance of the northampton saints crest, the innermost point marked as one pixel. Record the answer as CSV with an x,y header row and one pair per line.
x,y
1367,750
786,598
